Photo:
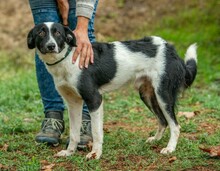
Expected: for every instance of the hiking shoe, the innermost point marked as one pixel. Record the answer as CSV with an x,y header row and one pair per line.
x,y
85,134
51,130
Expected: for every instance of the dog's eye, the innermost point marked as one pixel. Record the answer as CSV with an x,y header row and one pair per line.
x,y
57,33
42,34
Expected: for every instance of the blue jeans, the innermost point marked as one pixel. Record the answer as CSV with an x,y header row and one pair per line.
x,y
52,101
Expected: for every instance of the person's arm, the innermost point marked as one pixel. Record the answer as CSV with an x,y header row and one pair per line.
x,y
63,6
84,11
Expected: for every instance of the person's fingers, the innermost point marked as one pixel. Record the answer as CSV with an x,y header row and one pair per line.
x,y
88,57
91,55
83,56
76,54
84,50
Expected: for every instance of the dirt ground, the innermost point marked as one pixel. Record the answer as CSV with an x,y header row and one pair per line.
x,y
118,19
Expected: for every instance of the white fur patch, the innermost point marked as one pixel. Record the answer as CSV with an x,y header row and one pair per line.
x,y
191,53
63,75
51,39
133,65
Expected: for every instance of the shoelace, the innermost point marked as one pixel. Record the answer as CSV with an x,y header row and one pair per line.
x,y
54,123
84,128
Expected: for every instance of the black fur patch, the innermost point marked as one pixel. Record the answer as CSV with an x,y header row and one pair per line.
x,y
100,73
144,45
173,80
191,71
37,37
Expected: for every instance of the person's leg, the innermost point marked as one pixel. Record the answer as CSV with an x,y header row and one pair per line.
x,y
51,99
53,124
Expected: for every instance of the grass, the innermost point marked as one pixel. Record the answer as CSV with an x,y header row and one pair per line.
x,y
127,122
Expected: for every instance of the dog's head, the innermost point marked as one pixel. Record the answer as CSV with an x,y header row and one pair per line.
x,y
50,37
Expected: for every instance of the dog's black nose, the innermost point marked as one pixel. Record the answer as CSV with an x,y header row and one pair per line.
x,y
51,46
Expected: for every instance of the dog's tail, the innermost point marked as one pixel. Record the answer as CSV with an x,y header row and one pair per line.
x,y
191,65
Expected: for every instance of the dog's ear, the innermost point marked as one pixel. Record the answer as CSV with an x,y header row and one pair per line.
x,y
31,39
70,37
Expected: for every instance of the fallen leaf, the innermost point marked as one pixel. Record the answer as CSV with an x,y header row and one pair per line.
x,y
44,162
188,115
89,145
213,151
3,167
106,130
48,167
172,159
197,112
5,147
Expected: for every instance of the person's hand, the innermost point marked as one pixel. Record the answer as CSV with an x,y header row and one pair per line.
x,y
63,6
84,47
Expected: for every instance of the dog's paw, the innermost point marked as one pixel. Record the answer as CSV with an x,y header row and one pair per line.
x,y
167,150
64,153
151,139
94,155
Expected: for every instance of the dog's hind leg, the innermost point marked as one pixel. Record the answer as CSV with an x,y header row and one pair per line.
x,y
167,103
147,95
97,133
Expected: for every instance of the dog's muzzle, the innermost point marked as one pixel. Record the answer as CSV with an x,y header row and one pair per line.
x,y
50,48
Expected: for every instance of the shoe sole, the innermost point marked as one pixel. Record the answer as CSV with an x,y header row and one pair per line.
x,y
48,141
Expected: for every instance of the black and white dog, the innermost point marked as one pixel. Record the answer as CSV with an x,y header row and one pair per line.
x,y
158,74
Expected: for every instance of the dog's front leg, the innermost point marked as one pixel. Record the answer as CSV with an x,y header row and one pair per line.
x,y
75,119
97,133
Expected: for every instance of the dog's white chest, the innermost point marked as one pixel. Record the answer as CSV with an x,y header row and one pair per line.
x,y
66,74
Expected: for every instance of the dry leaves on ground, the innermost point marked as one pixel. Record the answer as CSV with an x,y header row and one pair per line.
x,y
4,148
3,167
213,151
188,115
46,165
172,159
